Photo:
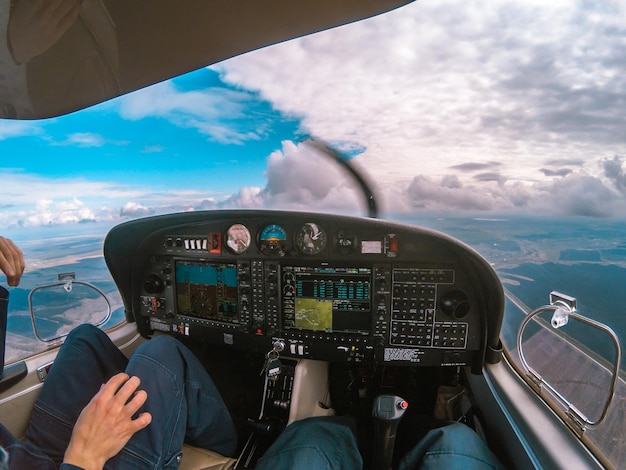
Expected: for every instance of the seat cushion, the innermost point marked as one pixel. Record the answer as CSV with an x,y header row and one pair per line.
x,y
195,458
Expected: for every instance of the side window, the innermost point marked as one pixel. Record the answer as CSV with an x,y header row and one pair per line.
x,y
573,362
66,283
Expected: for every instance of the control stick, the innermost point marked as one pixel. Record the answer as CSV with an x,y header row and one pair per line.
x,y
387,412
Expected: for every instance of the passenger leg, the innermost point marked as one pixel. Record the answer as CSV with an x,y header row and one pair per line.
x,y
453,447
86,360
184,404
322,443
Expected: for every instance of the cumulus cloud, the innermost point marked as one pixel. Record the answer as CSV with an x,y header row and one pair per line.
x,y
579,195
48,212
134,210
299,177
573,195
437,85
511,107
34,200
433,194
614,171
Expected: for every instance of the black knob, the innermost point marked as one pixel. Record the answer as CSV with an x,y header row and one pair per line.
x,y
455,303
153,284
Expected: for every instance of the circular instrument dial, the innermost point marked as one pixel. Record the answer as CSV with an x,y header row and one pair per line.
x,y
238,238
311,238
272,240
346,242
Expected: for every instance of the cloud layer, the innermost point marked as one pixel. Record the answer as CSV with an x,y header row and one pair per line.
x,y
516,97
511,106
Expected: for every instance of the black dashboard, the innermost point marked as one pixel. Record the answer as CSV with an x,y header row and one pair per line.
x,y
329,287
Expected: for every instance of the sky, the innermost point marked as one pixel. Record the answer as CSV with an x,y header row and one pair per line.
x,y
505,107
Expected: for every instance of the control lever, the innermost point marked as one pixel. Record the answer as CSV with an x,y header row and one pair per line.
x,y
387,413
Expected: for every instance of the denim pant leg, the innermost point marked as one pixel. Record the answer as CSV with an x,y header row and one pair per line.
x,y
453,447
184,403
322,443
86,360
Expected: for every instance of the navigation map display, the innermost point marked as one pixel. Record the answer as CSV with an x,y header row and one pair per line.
x,y
329,299
207,290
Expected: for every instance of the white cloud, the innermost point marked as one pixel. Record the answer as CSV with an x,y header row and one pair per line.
x,y
48,212
437,84
134,209
10,129
85,139
572,195
29,200
210,111
300,177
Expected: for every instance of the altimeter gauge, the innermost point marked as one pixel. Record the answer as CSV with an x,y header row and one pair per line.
x,y
311,238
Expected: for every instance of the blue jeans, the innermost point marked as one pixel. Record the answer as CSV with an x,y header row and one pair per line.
x,y
329,443
184,403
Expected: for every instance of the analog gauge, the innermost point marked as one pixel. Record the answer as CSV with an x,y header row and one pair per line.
x,y
238,238
346,242
311,239
272,240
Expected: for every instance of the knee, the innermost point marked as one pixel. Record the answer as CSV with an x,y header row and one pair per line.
x,y
84,332
160,348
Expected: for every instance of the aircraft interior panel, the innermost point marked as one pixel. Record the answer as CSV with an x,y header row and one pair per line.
x,y
329,288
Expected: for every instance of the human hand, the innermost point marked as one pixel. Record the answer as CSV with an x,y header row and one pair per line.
x,y
106,424
11,261
35,25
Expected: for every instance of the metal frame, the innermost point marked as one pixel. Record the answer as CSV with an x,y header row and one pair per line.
x,y
564,308
67,280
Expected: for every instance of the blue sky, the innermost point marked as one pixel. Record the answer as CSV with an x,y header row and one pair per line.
x,y
129,145
518,107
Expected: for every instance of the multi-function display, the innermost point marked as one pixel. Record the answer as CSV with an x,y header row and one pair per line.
x,y
325,298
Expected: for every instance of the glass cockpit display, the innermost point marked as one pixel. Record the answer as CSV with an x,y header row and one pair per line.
x,y
207,290
328,299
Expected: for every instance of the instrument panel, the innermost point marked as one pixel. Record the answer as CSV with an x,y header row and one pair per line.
x,y
330,287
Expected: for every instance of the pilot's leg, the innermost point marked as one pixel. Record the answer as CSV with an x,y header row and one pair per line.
x,y
86,360
322,443
184,404
454,446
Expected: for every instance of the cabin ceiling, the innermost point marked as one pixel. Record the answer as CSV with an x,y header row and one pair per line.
x,y
114,47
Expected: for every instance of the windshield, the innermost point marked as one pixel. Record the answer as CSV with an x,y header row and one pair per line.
x,y
501,124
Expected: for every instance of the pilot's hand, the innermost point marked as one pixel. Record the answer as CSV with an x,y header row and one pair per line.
x,y
11,261
35,25
106,424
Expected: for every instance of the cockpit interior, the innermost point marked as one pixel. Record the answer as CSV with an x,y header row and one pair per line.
x,y
362,305
294,314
